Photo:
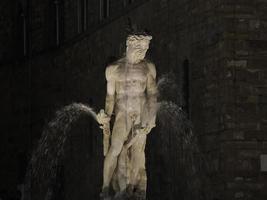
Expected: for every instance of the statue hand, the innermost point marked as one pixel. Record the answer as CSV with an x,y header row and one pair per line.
x,y
106,128
102,118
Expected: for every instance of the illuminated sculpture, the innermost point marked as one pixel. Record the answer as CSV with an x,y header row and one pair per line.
x,y
132,96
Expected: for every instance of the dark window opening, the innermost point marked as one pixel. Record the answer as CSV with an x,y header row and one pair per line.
x,y
82,15
50,25
56,2
85,14
58,21
23,40
104,9
127,2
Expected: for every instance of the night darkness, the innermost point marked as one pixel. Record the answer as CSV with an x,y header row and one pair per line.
x,y
210,144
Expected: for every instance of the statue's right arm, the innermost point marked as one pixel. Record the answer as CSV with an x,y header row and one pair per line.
x,y
110,98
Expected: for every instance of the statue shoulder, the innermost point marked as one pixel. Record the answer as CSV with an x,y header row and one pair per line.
x,y
110,71
151,69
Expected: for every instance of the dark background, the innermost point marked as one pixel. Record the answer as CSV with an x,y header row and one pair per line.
x,y
53,53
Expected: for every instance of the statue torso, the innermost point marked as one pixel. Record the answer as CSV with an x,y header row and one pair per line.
x,y
130,79
130,86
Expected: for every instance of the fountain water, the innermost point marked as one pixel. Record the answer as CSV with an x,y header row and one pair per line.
x,y
46,159
175,165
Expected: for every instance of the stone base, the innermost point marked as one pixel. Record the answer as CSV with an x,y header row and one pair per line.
x,y
138,195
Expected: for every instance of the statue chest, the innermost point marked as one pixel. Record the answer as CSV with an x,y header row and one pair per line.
x,y
136,73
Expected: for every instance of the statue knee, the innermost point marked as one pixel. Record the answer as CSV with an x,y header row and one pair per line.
x,y
115,150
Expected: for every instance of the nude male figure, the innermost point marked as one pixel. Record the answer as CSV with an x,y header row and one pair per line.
x,y
131,93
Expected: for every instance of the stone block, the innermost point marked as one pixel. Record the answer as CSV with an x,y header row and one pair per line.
x,y
239,195
237,63
263,162
238,135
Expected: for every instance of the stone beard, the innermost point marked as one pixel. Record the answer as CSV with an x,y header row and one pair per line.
x,y
132,96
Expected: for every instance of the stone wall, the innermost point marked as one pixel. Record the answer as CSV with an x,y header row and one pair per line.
x,y
244,135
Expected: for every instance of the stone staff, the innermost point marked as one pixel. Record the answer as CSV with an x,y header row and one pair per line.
x,y
103,119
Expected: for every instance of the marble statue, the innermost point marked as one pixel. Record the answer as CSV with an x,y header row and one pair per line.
x,y
132,97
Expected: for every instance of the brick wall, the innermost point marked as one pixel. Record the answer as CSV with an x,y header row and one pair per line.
x,y
244,132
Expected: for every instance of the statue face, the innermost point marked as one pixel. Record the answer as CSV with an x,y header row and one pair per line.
x,y
137,47
138,51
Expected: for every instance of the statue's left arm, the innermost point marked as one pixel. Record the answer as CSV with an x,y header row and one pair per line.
x,y
152,93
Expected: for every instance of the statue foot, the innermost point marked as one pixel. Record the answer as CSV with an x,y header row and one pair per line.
x,y
121,196
129,190
127,194
140,195
104,195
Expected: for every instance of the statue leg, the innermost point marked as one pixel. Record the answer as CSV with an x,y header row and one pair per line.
x,y
120,132
122,169
121,175
138,174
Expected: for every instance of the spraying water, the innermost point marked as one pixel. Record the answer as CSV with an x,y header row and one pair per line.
x,y
172,150
177,164
46,158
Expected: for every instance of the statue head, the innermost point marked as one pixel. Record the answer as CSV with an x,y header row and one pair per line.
x,y
136,47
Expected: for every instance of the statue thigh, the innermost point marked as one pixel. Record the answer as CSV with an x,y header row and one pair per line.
x,y
120,132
